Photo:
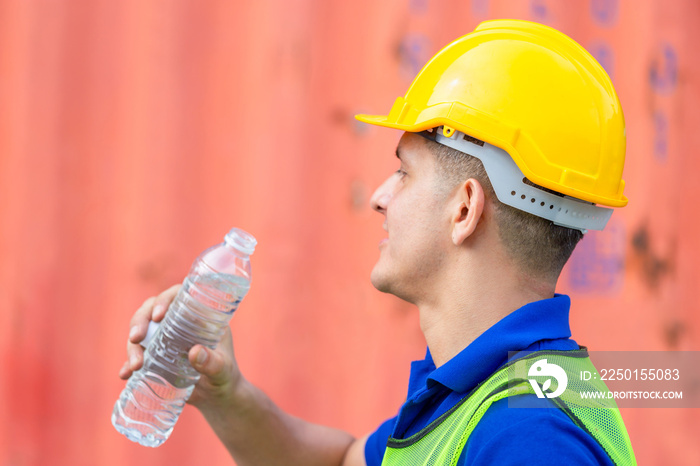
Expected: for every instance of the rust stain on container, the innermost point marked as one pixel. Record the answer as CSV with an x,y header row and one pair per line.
x,y
654,267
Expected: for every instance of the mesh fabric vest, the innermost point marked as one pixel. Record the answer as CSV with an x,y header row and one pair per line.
x,y
442,441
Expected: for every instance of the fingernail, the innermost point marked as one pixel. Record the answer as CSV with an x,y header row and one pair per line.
x,y
201,357
132,333
133,360
158,309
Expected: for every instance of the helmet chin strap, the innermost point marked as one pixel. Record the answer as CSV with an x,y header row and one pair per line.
x,y
510,187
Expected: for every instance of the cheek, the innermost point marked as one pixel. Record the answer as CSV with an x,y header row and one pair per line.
x,y
420,224
417,212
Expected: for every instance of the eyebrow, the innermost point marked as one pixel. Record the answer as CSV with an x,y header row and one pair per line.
x,y
400,155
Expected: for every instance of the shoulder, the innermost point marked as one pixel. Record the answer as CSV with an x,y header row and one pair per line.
x,y
525,436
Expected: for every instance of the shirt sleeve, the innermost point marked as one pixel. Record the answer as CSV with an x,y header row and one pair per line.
x,y
376,443
530,436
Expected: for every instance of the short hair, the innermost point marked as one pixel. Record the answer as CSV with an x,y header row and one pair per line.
x,y
536,244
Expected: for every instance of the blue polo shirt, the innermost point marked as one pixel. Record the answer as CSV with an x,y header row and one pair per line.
x,y
504,436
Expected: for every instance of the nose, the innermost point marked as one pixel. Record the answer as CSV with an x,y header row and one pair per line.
x,y
381,196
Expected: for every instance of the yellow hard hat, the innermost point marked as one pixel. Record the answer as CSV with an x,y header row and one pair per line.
x,y
532,91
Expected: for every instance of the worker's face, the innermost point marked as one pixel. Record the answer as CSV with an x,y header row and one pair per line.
x,y
416,221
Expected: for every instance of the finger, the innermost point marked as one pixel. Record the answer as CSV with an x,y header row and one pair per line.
x,y
137,332
139,322
210,364
125,371
162,302
152,309
134,353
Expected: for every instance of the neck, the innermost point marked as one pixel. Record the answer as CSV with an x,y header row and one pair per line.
x,y
474,297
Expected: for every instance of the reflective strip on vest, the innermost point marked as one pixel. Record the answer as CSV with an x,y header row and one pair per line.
x,y
539,373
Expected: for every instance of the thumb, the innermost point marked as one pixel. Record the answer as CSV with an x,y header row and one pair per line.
x,y
209,363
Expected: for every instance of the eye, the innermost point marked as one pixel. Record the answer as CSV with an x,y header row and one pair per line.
x,y
401,172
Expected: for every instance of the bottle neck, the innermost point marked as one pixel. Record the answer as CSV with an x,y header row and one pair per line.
x,y
243,242
237,251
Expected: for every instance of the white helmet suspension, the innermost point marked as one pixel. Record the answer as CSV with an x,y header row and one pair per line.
x,y
511,189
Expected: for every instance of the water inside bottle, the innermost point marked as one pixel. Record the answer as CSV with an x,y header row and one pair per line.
x,y
220,291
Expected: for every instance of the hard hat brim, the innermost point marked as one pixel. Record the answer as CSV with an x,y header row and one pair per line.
x,y
385,121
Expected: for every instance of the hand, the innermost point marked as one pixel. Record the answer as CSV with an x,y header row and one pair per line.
x,y
154,308
220,374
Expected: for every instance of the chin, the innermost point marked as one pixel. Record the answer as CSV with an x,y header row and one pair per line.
x,y
380,280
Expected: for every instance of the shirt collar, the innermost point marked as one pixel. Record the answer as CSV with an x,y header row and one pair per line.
x,y
541,320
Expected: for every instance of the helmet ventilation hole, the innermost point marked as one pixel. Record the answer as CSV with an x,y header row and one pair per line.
x,y
473,140
533,200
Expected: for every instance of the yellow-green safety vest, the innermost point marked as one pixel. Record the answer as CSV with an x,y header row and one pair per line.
x,y
442,441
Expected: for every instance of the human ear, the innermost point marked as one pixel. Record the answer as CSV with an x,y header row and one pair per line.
x,y
469,208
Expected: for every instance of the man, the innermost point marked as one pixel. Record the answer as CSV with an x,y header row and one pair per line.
x,y
513,134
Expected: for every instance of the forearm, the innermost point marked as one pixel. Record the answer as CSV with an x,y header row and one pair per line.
x,y
256,432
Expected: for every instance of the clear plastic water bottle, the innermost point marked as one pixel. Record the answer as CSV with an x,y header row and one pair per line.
x,y
155,395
